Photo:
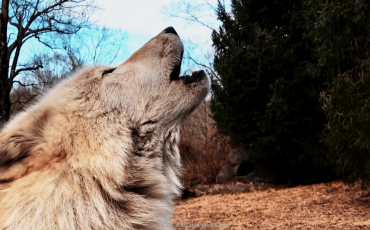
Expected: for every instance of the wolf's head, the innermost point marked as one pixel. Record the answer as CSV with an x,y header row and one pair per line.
x,y
149,85
101,114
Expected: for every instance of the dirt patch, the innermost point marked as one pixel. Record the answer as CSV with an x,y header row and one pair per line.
x,y
322,206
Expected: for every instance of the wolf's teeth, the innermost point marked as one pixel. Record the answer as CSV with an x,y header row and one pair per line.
x,y
192,70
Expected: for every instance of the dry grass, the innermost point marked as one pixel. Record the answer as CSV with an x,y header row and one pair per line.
x,y
322,206
203,150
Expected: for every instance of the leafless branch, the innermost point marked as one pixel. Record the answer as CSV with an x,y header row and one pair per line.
x,y
193,18
211,5
23,97
207,67
28,69
44,43
189,12
24,85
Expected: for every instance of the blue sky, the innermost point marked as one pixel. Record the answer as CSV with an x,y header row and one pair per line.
x,y
143,19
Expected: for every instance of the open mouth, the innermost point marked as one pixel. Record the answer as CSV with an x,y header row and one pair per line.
x,y
194,77
187,79
175,74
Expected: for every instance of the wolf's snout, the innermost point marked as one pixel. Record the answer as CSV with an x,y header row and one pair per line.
x,y
170,30
195,77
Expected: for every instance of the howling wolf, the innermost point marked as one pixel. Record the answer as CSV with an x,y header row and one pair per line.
x,y
100,150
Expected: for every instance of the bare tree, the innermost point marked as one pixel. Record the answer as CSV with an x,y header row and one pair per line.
x,y
99,44
24,20
91,45
36,82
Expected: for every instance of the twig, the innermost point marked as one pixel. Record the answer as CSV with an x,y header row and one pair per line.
x,y
214,74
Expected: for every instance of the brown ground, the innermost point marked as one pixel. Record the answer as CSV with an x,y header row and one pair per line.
x,y
323,206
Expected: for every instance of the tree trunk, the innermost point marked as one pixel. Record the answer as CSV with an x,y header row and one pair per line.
x,y
5,86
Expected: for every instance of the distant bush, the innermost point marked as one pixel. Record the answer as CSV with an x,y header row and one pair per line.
x,y
203,150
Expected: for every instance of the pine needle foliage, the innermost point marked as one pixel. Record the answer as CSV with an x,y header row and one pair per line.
x,y
274,70
340,31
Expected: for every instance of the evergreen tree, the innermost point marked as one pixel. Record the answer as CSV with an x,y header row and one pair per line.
x,y
340,31
266,97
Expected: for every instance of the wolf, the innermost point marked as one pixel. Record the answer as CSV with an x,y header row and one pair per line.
x,y
100,150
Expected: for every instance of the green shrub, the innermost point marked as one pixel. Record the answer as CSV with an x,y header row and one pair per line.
x,y
340,31
266,96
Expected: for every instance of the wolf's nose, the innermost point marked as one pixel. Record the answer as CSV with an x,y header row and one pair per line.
x,y
170,30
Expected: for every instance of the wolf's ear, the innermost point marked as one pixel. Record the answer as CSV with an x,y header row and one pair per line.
x,y
20,150
14,151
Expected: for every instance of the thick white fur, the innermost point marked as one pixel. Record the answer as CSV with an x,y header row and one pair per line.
x,y
99,151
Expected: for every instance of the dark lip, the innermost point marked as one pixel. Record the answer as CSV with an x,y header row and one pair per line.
x,y
175,74
195,77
